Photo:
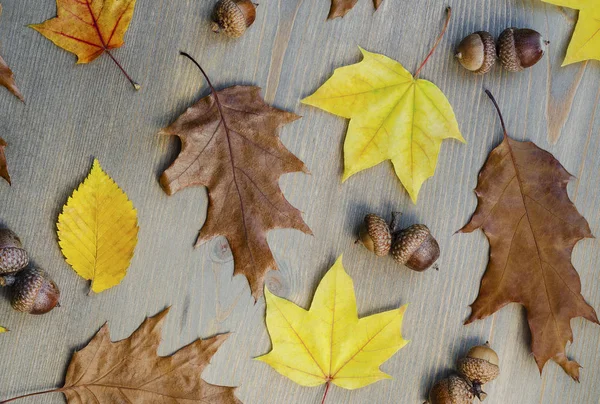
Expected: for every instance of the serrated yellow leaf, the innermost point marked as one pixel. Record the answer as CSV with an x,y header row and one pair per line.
x,y
392,117
329,343
97,230
585,42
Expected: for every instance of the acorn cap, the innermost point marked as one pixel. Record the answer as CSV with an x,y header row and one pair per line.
x,y
452,390
520,48
34,292
416,248
12,255
477,52
480,365
375,235
233,17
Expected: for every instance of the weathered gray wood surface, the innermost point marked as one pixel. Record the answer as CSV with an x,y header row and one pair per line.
x,y
74,113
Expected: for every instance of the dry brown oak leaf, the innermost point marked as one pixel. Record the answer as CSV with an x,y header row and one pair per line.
x,y
7,78
340,8
232,147
3,164
130,371
532,226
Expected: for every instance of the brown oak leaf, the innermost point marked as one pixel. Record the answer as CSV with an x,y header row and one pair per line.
x,y
130,371
3,165
532,226
340,8
231,146
7,78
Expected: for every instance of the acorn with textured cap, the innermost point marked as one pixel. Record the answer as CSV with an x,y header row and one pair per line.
x,y
451,390
31,290
520,48
233,17
481,365
415,247
375,235
34,292
477,52
13,257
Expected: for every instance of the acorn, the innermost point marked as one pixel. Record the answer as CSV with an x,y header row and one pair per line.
x,y
520,48
477,52
375,235
452,390
481,365
13,257
415,247
34,292
233,17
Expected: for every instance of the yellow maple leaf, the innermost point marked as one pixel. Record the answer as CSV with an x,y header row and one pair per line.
x,y
393,116
329,343
88,28
97,230
585,42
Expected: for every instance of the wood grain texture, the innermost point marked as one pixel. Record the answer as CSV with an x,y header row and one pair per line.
x,y
77,112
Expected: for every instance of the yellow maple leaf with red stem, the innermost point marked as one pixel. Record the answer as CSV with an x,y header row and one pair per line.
x,y
89,28
329,344
393,116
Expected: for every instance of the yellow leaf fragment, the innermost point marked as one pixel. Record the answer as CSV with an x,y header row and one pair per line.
x,y
97,230
585,42
329,343
2,329
392,117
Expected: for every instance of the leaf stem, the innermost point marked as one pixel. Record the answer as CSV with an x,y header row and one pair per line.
x,y
324,394
395,221
212,89
437,42
135,85
489,94
32,394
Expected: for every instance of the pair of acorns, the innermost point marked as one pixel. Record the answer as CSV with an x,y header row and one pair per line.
x,y
481,365
414,246
517,49
31,290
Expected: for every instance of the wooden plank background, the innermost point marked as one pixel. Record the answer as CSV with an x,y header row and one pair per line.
x,y
75,113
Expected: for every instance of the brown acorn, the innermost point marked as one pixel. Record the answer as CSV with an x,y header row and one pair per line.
x,y
233,17
477,52
375,235
520,48
481,365
12,255
415,247
34,292
452,390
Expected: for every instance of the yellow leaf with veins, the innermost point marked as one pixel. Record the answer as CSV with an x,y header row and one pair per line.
x,y
329,343
89,28
393,116
97,230
585,43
